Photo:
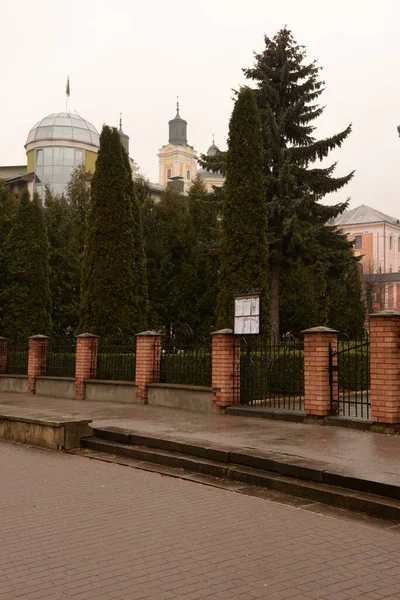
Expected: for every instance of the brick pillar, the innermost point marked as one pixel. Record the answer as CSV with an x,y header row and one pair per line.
x,y
148,358
37,360
87,345
385,367
3,354
225,368
317,390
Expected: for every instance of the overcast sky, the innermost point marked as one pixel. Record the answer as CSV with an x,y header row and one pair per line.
x,y
135,57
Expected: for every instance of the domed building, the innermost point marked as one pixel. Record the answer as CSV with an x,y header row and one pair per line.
x,y
211,179
55,146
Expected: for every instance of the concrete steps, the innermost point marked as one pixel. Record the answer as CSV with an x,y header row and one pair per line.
x,y
288,475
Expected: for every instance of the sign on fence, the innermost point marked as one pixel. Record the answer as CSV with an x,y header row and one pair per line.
x,y
246,314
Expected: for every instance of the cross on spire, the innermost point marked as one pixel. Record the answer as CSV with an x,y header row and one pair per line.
x,y
120,120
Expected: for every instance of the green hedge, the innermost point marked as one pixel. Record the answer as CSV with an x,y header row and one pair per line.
x,y
186,368
353,369
61,363
117,366
280,372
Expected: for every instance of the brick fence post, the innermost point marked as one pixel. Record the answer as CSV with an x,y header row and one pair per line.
x,y
37,360
87,345
317,389
385,367
3,354
148,361
225,368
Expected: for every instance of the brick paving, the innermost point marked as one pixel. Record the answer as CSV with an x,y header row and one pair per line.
x,y
88,530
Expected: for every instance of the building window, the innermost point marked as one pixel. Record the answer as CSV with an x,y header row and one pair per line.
x,y
358,242
54,167
169,174
390,242
187,174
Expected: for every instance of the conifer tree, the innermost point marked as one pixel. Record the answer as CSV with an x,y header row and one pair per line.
x,y
25,298
287,90
110,302
244,248
139,254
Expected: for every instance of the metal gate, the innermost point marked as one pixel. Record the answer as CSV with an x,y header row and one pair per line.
x,y
271,373
349,377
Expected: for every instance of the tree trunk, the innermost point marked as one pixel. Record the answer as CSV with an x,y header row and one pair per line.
x,y
274,309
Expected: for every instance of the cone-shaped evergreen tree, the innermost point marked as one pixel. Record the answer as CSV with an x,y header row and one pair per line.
x,y
244,250
110,303
25,297
287,88
139,254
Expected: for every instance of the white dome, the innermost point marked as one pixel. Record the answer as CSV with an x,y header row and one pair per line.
x,y
64,126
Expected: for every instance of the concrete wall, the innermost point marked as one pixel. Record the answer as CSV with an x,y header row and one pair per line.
x,y
14,383
54,435
59,387
110,391
186,397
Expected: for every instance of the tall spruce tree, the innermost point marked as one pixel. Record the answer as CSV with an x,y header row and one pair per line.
x,y
25,298
287,88
110,302
244,249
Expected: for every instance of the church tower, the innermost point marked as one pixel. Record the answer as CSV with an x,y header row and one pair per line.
x,y
177,158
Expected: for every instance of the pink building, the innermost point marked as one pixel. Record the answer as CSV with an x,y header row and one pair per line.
x,y
376,238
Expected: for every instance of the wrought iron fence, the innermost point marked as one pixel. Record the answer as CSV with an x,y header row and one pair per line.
x,y
117,361
186,362
271,374
17,359
61,358
349,371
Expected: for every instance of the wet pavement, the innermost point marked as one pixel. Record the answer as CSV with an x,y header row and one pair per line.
x,y
367,455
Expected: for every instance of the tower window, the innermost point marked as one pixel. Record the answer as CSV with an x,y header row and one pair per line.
x,y
358,242
187,174
390,242
169,174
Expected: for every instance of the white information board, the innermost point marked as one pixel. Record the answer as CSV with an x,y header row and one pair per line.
x,y
247,315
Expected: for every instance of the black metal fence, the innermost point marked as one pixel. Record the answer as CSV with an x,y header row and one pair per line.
x,y
349,370
117,361
61,358
17,358
186,362
271,373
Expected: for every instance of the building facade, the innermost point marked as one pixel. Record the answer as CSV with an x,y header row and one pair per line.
x,y
376,239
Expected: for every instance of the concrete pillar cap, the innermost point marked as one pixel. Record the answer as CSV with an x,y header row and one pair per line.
x,y
154,333
3,339
320,329
223,332
87,335
39,336
385,313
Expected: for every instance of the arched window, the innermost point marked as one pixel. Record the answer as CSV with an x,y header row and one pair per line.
x,y
169,174
187,174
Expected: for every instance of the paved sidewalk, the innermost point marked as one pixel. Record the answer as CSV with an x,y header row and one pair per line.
x,y
361,454
77,529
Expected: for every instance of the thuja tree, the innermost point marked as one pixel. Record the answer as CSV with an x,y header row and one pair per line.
x,y
244,244
287,92
139,253
26,299
110,302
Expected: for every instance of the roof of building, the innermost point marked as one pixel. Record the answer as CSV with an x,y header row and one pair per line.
x,y
363,215
64,126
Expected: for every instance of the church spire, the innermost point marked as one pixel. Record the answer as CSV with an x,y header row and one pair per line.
x,y
123,136
177,129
